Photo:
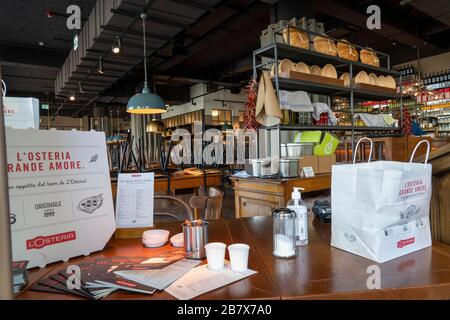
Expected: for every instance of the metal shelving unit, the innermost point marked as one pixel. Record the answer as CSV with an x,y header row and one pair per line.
x,y
278,51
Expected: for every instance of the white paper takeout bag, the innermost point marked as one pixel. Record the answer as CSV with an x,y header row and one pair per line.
x,y
380,210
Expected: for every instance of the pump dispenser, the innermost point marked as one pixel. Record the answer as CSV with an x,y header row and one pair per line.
x,y
301,224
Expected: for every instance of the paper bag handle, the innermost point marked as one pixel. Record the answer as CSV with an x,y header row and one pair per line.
x,y
3,90
356,149
415,149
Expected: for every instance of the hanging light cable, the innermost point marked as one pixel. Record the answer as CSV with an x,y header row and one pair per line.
x,y
100,66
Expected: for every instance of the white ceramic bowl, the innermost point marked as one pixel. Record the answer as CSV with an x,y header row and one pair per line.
x,y
177,240
155,238
155,234
153,244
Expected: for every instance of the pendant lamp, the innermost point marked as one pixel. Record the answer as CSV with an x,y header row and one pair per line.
x,y
155,126
145,102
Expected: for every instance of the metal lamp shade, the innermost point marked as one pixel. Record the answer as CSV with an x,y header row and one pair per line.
x,y
155,126
146,103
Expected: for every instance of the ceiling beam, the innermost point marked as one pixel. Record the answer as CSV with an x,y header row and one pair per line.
x,y
150,35
109,60
215,33
126,44
25,55
120,56
194,4
151,18
359,18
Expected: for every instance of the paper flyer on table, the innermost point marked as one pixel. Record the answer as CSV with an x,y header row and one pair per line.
x,y
201,280
162,278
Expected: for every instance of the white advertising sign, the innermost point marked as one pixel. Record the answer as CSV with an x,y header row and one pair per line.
x,y
134,202
21,113
60,194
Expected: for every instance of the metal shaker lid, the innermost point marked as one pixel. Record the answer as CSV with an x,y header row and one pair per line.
x,y
283,213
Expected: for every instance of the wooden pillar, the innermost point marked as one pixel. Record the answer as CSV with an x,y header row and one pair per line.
x,y
6,284
440,198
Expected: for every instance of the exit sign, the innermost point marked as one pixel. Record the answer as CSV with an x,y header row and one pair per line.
x,y
44,106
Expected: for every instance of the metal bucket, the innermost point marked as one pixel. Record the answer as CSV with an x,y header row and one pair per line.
x,y
195,237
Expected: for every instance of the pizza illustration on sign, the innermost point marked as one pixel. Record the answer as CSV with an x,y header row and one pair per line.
x,y
89,205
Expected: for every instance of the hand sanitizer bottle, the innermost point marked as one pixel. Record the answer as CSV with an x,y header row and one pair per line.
x,y
301,224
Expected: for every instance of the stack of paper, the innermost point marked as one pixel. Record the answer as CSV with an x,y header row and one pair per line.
x,y
201,280
98,280
160,279
20,275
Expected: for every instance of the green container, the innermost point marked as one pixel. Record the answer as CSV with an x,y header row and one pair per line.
x,y
308,136
327,146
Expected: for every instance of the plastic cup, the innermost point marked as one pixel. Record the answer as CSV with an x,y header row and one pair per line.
x,y
215,253
238,256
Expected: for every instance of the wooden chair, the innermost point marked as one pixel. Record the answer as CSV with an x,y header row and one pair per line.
x,y
212,204
189,214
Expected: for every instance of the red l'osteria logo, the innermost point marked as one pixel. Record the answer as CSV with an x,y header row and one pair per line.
x,y
403,243
43,241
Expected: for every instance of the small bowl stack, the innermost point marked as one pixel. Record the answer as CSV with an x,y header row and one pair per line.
x,y
177,240
155,238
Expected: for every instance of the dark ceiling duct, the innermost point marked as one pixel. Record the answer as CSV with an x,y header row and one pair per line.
x,y
108,20
437,9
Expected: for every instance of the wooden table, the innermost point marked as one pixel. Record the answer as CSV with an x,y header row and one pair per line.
x,y
323,272
259,197
319,272
258,286
181,181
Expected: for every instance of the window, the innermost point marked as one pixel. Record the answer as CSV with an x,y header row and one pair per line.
x,y
220,117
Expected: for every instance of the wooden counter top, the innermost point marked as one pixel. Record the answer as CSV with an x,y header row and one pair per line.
x,y
319,271
278,179
259,197
324,272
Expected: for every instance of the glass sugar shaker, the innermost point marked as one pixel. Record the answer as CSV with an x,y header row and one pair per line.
x,y
284,233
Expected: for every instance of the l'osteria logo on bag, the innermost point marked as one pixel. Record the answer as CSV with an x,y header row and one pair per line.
x,y
44,241
404,243
412,187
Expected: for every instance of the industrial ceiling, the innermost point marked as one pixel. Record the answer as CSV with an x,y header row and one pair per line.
x,y
215,39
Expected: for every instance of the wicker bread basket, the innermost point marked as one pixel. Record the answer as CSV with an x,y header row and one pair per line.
x,y
347,51
367,56
325,45
314,69
346,77
285,65
302,67
362,77
296,38
390,82
329,71
373,79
